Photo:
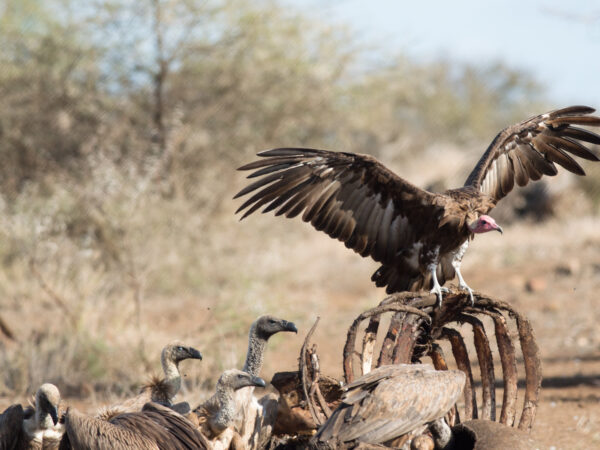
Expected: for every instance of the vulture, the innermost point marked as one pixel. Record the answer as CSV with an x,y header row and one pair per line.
x,y
33,428
478,434
217,415
391,401
418,237
257,416
160,389
154,427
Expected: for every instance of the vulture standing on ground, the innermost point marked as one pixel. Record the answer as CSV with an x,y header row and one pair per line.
x,y
419,237
257,416
160,389
154,427
217,415
391,401
33,428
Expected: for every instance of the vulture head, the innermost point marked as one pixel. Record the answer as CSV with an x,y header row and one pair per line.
x,y
236,379
267,326
177,352
47,399
484,224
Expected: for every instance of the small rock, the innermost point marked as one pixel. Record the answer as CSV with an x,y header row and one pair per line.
x,y
535,284
568,268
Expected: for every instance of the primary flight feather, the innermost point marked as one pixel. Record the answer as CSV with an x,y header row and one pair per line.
x,y
419,237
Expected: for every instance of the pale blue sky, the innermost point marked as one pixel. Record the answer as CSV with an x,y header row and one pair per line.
x,y
556,41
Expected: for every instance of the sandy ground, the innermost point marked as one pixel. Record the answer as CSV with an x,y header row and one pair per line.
x,y
549,272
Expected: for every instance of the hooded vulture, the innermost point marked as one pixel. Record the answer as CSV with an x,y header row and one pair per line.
x,y
418,237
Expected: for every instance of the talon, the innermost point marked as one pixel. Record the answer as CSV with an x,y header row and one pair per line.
x,y
464,287
437,290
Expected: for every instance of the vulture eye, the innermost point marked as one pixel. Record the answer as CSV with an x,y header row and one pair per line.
x,y
180,348
271,321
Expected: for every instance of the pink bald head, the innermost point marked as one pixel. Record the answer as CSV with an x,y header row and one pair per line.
x,y
484,224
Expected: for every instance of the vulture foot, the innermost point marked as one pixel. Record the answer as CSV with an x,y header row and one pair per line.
x,y
464,287
437,290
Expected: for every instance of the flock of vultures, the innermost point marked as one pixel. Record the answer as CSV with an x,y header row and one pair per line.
x,y
418,237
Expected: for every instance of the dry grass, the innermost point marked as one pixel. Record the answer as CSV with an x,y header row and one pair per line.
x,y
99,275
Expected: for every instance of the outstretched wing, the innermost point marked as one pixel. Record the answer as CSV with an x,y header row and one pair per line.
x,y
528,150
353,198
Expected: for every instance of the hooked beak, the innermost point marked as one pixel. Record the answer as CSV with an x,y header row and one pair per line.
x,y
290,326
194,354
257,381
54,415
499,228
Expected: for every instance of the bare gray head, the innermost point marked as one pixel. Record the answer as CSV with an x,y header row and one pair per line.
x,y
261,330
177,352
267,326
234,379
47,399
171,356
224,401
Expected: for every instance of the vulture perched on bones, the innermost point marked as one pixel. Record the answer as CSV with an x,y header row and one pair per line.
x,y
419,237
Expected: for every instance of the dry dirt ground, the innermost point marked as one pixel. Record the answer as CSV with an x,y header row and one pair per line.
x,y
549,272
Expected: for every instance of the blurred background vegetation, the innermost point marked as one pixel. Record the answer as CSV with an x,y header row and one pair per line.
x,y
121,124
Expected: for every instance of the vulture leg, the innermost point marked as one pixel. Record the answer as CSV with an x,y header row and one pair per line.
x,y
461,282
437,289
456,264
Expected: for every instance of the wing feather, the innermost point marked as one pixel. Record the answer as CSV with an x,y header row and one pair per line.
x,y
353,198
390,401
530,149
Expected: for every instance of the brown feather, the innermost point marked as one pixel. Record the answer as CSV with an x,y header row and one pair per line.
x,y
551,134
357,200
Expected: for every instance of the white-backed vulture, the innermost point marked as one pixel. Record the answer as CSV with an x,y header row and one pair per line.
x,y
390,401
33,428
216,416
159,389
256,417
155,427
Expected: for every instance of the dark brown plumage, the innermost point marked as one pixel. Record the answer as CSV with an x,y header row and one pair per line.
x,y
419,237
390,401
154,427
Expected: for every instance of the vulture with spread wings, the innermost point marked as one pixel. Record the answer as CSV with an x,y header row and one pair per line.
x,y
419,237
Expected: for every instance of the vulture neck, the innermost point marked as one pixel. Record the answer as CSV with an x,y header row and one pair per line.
x,y
224,404
256,352
43,420
172,375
